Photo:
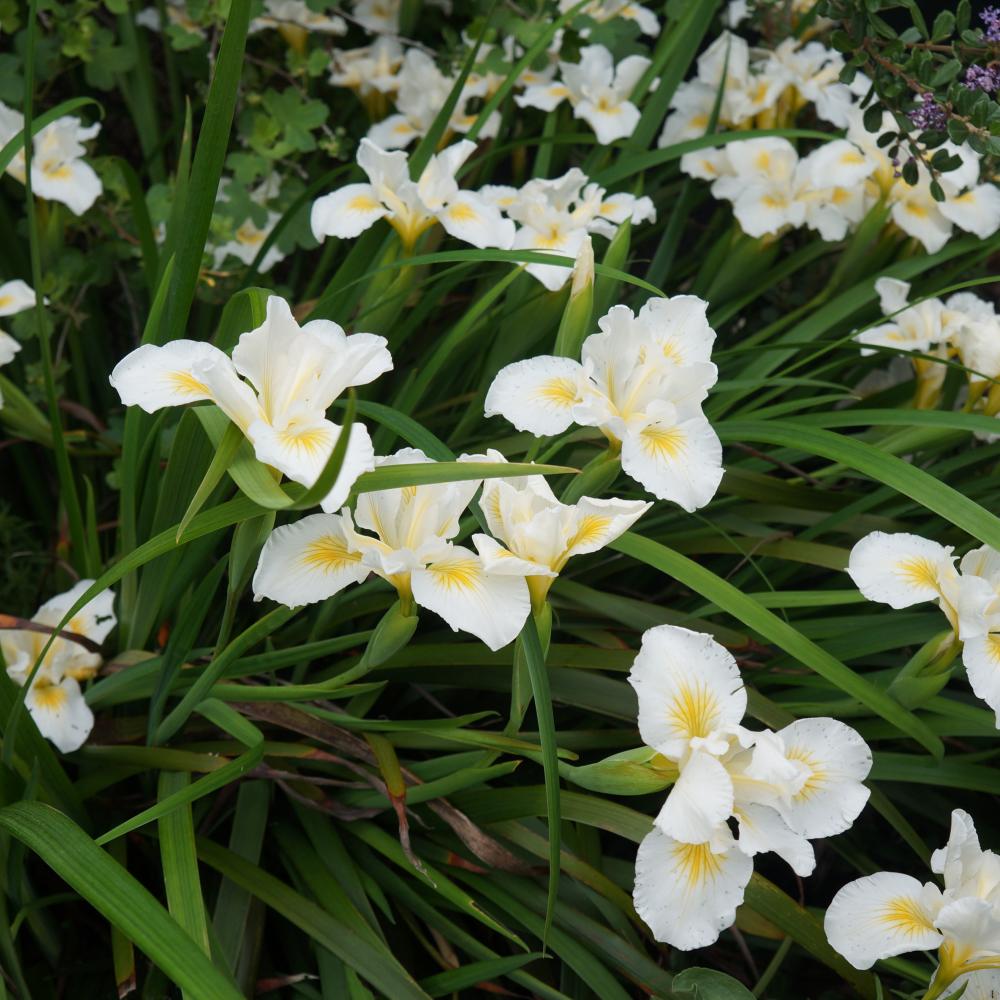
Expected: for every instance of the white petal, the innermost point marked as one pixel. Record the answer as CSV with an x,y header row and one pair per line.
x,y
8,348
610,122
971,923
919,216
900,569
688,686
95,620
700,801
498,560
301,448
552,276
838,761
60,713
685,893
893,294
544,96
394,132
680,325
681,462
73,183
538,395
882,915
456,586
762,829
346,213
153,377
308,561
16,296
977,211
978,986
473,220
600,522
981,656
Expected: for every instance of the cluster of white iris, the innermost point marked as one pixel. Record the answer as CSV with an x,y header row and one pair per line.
x,y
963,327
830,190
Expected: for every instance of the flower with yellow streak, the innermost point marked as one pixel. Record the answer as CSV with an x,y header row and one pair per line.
x,y
411,207
534,535
55,700
781,788
641,380
15,297
597,89
903,569
890,913
410,545
291,375
58,172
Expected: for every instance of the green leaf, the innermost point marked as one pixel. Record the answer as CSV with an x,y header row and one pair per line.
x,y
468,976
206,171
539,678
707,984
902,476
383,973
113,892
748,611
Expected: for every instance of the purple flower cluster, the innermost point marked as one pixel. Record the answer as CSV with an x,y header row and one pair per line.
x,y
991,20
928,114
983,78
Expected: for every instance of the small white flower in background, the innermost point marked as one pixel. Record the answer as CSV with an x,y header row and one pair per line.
x,y
55,700
607,10
889,913
534,534
771,188
58,172
378,17
177,15
410,546
598,91
412,207
373,69
918,327
556,215
248,237
15,297
294,14
641,381
963,325
293,374
903,569
421,90
782,788
746,92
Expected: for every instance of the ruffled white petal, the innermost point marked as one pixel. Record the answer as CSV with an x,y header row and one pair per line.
x,y
686,893
60,713
762,829
677,460
688,687
900,569
538,395
153,377
473,220
346,213
981,657
457,587
883,915
837,761
699,803
308,561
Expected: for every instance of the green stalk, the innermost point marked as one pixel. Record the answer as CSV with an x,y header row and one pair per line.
x,y
67,486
